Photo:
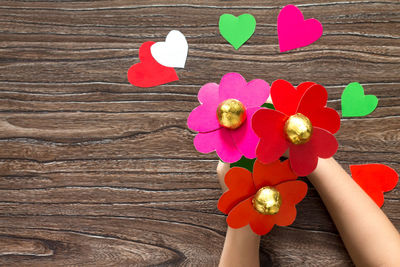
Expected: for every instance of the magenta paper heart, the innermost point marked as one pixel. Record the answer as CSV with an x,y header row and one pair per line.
x,y
294,31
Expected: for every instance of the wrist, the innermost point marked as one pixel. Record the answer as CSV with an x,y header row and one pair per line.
x,y
322,170
241,248
322,165
244,234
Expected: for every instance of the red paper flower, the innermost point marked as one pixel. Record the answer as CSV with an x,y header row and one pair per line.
x,y
240,201
306,104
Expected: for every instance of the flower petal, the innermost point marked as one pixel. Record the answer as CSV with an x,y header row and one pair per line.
x,y
292,192
313,105
302,88
261,224
241,214
285,97
268,151
286,215
204,117
272,174
205,142
252,94
314,97
324,143
244,137
208,92
266,122
240,184
304,158
220,141
268,125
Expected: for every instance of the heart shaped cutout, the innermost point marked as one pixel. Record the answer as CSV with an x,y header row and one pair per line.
x,y
286,97
237,30
355,103
173,52
148,72
313,105
294,31
240,184
375,179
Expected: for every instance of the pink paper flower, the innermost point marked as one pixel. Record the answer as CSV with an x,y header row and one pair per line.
x,y
215,134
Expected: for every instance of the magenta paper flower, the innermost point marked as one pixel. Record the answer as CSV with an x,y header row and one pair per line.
x,y
215,132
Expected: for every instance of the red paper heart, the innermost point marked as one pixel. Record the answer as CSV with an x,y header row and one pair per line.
x,y
302,88
313,105
148,72
241,186
375,179
285,97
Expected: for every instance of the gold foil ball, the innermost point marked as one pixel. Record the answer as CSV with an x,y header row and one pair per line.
x,y
267,200
231,113
298,129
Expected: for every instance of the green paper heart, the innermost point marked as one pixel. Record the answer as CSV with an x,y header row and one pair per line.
x,y
355,103
237,30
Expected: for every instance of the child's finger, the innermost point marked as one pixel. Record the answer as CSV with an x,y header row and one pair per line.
x,y
222,169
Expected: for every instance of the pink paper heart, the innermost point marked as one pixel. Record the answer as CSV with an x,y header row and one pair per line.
x,y
294,31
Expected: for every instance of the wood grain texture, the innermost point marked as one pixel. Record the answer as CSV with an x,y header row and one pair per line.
x,y
96,172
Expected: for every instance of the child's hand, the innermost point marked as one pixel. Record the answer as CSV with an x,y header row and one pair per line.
x,y
241,247
222,169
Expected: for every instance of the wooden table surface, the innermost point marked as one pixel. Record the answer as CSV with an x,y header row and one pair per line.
x,y
95,171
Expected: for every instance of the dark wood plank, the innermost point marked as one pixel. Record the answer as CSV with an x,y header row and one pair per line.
x,y
96,172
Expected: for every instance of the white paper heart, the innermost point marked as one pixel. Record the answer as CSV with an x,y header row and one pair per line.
x,y
172,52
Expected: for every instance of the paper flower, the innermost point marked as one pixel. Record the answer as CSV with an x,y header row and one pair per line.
x,y
223,119
301,123
263,198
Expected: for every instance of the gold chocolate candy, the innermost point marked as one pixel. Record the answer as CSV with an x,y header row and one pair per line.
x,y
231,113
298,129
267,200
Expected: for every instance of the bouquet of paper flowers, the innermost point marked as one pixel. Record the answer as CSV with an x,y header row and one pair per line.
x,y
234,120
